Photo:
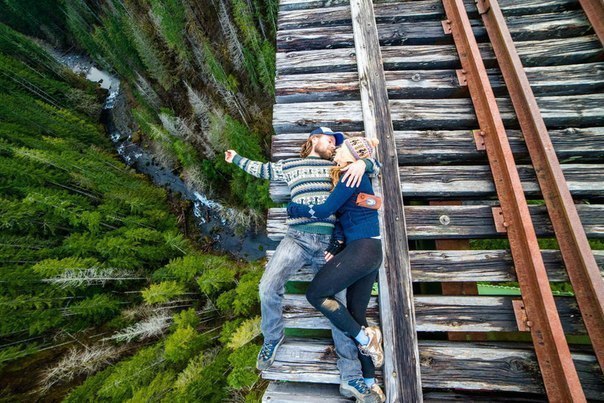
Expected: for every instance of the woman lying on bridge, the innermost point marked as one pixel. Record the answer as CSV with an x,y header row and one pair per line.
x,y
352,265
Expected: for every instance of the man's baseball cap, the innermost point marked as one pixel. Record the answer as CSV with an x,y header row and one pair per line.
x,y
339,136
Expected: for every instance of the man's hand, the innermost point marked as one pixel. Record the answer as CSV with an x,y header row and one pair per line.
x,y
229,155
353,173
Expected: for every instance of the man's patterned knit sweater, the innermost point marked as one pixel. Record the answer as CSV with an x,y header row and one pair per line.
x,y
308,182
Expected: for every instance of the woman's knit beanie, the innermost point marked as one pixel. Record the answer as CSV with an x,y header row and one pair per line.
x,y
361,147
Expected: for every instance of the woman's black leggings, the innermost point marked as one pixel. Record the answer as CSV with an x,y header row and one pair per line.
x,y
354,269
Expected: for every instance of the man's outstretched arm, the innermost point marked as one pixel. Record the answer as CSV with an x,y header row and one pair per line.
x,y
263,170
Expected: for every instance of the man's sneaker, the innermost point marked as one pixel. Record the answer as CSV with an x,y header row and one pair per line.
x,y
358,389
267,354
374,348
375,388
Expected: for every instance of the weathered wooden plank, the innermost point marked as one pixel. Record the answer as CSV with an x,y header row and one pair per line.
x,y
483,314
396,297
532,53
299,314
469,266
584,180
523,28
461,222
433,114
477,221
566,80
482,265
481,397
512,7
395,12
457,146
441,314
471,181
305,360
487,367
457,288
549,80
298,392
444,365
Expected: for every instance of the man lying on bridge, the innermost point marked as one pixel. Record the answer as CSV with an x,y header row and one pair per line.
x,y
309,182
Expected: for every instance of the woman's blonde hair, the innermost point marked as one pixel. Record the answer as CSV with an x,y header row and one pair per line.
x,y
335,174
336,171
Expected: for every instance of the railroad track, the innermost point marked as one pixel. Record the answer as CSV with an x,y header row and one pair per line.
x,y
455,192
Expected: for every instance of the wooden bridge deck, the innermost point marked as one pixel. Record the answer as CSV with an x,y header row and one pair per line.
x,y
464,352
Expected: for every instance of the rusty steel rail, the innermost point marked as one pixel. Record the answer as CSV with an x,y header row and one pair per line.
x,y
553,354
594,9
578,258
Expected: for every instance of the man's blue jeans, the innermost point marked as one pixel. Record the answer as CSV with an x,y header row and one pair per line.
x,y
296,250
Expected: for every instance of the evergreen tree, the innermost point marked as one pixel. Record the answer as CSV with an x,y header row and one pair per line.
x,y
39,19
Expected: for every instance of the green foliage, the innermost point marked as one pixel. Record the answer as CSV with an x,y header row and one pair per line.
x,y
596,244
480,244
177,148
42,19
142,39
31,313
209,384
73,217
18,76
16,352
127,248
247,297
246,190
185,153
170,16
96,309
117,49
243,299
145,119
184,343
271,8
228,328
129,375
18,46
246,332
87,391
54,267
186,318
216,70
243,361
258,65
183,268
226,300
192,371
162,292
562,288
154,45
80,19
267,74
54,121
216,280
69,209
255,395
156,390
